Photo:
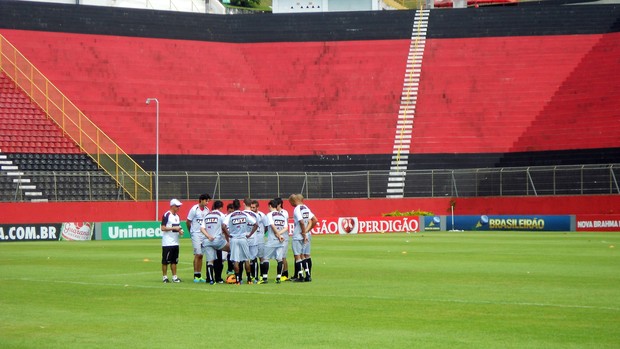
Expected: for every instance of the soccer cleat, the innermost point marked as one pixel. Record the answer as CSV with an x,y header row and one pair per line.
x,y
211,282
219,282
199,280
308,279
176,280
284,278
298,280
277,280
264,281
166,281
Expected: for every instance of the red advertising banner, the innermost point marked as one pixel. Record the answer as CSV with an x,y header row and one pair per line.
x,y
363,225
601,222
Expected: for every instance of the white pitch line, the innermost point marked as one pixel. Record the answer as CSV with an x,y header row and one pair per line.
x,y
252,290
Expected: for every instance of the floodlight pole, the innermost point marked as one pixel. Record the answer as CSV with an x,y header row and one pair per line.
x,y
148,101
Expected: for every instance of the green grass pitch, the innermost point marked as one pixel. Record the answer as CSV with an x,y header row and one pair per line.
x,y
423,290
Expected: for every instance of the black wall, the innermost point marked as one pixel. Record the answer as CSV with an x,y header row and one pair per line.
x,y
544,18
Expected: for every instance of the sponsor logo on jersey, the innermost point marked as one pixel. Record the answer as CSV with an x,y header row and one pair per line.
x,y
237,221
211,220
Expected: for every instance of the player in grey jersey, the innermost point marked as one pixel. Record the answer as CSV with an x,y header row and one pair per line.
x,y
259,237
304,222
252,242
217,237
280,208
277,226
195,217
241,227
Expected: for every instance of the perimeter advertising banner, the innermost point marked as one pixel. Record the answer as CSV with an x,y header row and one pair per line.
x,y
598,223
432,223
363,225
74,231
512,223
131,230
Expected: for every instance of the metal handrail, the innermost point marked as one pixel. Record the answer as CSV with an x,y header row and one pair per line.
x,y
74,123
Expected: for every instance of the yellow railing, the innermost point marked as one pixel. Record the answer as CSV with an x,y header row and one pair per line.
x,y
75,125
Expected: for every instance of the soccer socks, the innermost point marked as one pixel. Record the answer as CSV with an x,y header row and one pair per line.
x,y
231,267
253,270
279,270
304,264
264,267
210,277
217,268
308,266
239,274
299,269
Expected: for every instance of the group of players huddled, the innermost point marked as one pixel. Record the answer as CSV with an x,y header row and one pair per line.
x,y
248,239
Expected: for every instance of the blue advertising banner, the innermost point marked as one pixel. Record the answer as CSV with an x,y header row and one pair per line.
x,y
511,222
432,223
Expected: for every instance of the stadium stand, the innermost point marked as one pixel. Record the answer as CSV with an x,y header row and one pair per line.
x,y
500,87
39,163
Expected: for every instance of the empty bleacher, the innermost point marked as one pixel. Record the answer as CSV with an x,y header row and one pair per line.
x,y
498,87
38,162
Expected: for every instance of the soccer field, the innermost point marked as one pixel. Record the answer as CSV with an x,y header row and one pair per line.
x,y
424,290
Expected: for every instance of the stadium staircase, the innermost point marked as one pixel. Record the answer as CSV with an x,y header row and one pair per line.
x,y
42,132
406,114
37,163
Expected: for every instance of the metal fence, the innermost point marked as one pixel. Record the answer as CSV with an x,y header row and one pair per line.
x,y
514,181
60,186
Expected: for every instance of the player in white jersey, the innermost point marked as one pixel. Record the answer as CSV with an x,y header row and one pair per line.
x,y
194,221
241,227
283,252
252,243
171,230
216,239
229,264
259,237
304,222
277,226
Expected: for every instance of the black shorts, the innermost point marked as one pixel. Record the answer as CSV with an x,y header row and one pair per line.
x,y
170,255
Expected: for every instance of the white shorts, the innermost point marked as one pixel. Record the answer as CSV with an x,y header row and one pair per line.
x,y
300,248
197,241
261,250
211,248
273,253
284,250
253,251
239,250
